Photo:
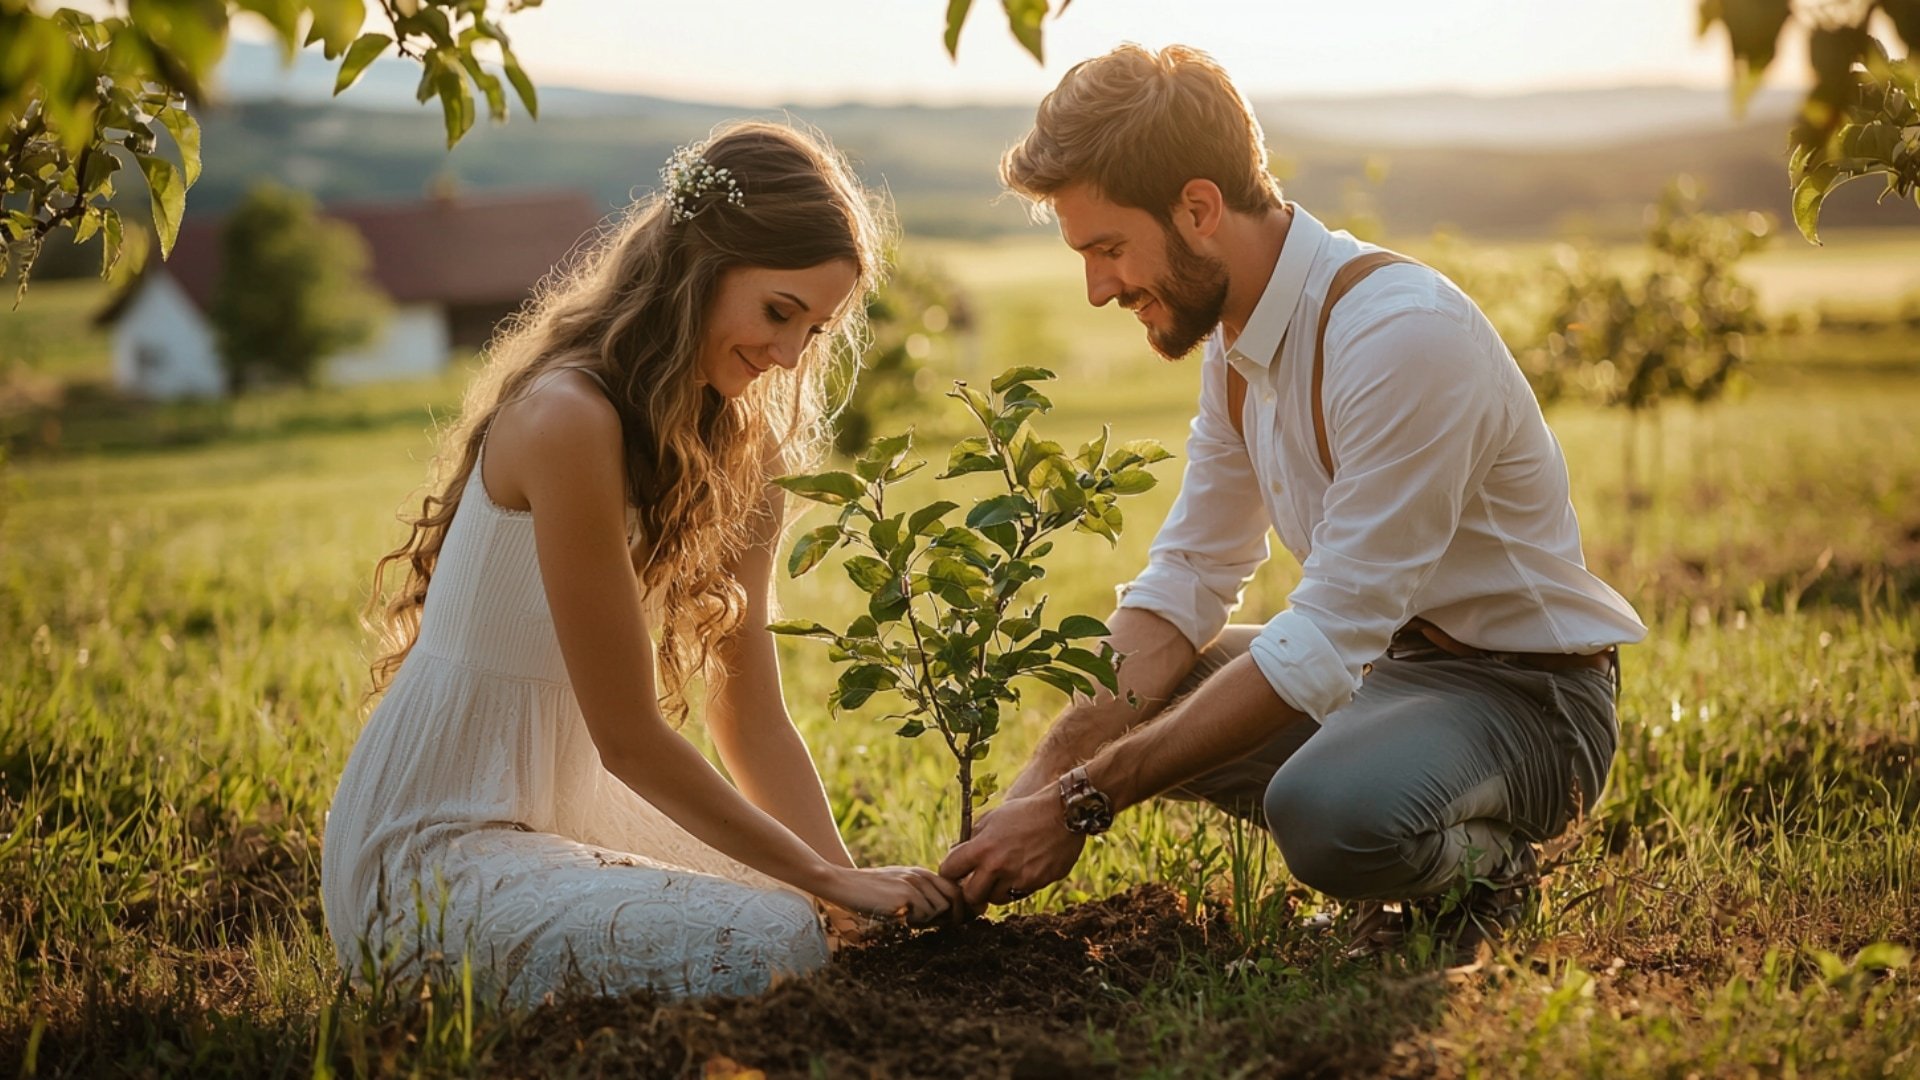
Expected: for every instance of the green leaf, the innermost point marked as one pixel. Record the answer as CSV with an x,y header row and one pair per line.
x,y
456,104
488,83
869,677
882,455
886,535
1133,481
847,700
976,402
1023,18
1083,626
337,23
800,628
950,571
1019,628
811,548
961,464
1002,535
1810,192
1753,33
1018,375
1148,451
169,198
521,84
186,135
911,729
831,488
1093,450
1066,681
904,470
97,179
956,18
429,21
1874,141
89,224
1060,489
1092,664
998,510
112,238
361,53
888,603
869,573
926,520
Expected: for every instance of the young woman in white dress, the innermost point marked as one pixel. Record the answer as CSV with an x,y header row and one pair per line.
x,y
521,795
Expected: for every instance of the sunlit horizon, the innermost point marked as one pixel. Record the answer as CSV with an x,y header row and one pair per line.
x,y
761,53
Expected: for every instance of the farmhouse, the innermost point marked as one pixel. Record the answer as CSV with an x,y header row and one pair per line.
x,y
453,265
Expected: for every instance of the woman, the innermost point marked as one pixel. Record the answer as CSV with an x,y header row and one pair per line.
x,y
521,795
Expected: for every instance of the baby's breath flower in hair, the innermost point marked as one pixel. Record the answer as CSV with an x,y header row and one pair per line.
x,y
687,177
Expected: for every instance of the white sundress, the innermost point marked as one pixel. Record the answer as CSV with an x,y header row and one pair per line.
x,y
474,816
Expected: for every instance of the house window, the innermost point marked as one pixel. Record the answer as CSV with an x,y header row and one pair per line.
x,y
148,359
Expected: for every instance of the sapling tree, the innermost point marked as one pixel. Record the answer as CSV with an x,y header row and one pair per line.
x,y
950,621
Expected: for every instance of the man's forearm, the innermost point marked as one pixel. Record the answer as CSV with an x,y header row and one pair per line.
x,y
1158,656
1226,719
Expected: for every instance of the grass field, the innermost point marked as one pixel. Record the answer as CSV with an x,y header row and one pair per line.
x,y
182,671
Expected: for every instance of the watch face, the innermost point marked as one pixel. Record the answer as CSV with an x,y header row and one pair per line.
x,y
1090,813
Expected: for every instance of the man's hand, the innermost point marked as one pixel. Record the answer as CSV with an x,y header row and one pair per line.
x,y
1021,847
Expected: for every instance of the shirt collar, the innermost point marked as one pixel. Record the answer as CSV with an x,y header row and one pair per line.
x,y
1268,323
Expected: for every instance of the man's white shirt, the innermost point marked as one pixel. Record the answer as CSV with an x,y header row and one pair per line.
x,y
1448,501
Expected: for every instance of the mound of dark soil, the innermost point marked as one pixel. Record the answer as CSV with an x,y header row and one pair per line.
x,y
1013,998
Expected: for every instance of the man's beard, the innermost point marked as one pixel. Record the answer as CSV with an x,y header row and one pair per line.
x,y
1193,292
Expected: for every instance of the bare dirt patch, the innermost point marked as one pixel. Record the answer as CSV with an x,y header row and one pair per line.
x,y
1013,998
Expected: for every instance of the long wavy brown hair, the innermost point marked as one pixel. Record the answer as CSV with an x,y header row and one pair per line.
x,y
630,309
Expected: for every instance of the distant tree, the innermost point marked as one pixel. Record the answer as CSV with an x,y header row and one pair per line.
x,y
292,290
1677,327
915,309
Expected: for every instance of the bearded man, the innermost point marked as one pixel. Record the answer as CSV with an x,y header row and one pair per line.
x,y
1438,695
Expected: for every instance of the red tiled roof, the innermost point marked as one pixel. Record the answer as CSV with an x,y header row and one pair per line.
x,y
470,249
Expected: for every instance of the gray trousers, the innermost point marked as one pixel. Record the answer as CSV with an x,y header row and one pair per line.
x,y
1438,769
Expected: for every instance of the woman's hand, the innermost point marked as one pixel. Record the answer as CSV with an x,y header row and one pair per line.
x,y
913,893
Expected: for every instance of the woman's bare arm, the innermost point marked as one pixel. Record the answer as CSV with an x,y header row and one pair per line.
x,y
748,717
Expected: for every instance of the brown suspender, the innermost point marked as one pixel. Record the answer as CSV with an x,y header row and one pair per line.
x,y
1344,280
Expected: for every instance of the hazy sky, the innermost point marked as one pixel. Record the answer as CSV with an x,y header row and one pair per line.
x,y
761,52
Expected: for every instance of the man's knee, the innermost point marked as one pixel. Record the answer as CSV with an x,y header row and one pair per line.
x,y
1332,838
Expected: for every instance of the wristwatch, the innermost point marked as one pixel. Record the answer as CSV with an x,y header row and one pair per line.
x,y
1089,812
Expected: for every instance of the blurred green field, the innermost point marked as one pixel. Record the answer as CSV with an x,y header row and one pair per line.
x,y
183,672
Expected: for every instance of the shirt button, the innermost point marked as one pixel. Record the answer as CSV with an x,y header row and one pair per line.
x,y
1274,487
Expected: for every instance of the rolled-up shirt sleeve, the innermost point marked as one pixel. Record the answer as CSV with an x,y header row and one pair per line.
x,y
1417,410
1215,537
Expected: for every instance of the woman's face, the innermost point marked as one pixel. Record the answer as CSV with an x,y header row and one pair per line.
x,y
762,319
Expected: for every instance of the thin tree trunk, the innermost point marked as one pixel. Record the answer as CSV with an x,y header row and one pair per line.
x,y
966,799
1629,469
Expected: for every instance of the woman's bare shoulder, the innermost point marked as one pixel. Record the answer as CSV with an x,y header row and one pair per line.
x,y
563,422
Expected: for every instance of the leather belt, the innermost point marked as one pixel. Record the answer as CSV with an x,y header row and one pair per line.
x,y
1605,661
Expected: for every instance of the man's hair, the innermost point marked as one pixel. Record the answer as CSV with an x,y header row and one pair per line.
x,y
1138,125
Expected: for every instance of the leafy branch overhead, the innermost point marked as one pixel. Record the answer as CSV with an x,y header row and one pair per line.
x,y
79,94
1862,115
83,96
948,625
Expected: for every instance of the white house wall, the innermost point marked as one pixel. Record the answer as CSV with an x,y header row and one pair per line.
x,y
412,344
163,347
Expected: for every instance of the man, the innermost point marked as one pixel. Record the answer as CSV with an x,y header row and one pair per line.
x,y
1439,693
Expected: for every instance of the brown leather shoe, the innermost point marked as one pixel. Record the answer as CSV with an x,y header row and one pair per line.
x,y
1458,921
